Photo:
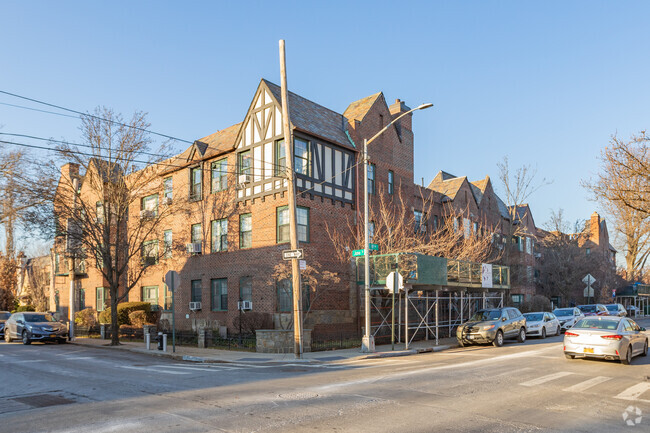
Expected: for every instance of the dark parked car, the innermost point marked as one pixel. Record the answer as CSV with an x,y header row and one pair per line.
x,y
30,327
493,326
594,310
4,315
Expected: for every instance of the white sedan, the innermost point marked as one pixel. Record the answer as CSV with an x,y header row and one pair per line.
x,y
568,316
608,337
542,324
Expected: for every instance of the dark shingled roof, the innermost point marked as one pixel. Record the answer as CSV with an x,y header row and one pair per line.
x,y
221,141
310,117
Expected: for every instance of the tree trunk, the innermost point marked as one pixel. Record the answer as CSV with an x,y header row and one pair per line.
x,y
115,326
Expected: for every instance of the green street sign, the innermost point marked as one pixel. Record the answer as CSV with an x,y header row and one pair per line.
x,y
357,253
373,247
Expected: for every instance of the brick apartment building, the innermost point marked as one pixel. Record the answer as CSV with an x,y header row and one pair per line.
x,y
226,242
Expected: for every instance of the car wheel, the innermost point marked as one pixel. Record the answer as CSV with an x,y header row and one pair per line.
x,y
645,349
567,356
558,331
498,340
26,339
543,332
7,337
460,343
522,335
60,340
628,357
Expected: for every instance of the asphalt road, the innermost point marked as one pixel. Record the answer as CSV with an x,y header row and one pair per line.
x,y
518,387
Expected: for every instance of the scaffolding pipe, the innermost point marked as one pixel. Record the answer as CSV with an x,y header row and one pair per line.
x,y
437,329
406,317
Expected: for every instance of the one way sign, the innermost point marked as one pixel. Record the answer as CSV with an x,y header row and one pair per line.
x,y
292,254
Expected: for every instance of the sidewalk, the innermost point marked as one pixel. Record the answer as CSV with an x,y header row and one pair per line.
x,y
194,354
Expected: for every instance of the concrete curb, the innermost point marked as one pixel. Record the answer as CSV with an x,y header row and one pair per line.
x,y
213,360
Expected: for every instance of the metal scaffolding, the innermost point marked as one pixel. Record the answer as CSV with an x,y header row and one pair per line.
x,y
438,295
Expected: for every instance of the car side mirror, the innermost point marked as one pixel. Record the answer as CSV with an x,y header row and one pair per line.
x,y
503,319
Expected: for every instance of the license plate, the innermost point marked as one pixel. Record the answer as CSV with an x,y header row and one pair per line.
x,y
52,335
588,350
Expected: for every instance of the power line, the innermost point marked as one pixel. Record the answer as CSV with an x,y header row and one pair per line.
x,y
73,144
93,116
36,109
117,158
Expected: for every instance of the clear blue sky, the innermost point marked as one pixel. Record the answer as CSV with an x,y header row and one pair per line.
x,y
543,83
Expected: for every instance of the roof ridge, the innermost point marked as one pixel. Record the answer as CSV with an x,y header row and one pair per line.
x,y
301,97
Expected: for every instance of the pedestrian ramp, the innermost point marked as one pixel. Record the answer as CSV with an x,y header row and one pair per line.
x,y
571,382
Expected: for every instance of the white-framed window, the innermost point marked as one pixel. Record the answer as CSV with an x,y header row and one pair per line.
x,y
219,235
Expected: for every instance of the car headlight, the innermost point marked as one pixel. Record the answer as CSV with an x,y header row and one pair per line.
x,y
487,327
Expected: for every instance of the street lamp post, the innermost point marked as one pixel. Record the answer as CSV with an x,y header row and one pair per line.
x,y
368,341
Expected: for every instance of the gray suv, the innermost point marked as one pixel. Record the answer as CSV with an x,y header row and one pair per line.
x,y
493,326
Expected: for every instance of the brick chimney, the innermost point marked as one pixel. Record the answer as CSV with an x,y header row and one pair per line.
x,y
398,108
70,170
594,228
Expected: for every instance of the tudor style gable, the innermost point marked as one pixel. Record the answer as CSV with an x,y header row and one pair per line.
x,y
323,161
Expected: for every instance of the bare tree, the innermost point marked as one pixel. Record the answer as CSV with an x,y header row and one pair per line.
x,y
623,189
316,283
25,197
100,208
398,229
564,262
518,186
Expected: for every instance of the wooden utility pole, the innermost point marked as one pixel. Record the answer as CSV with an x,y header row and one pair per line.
x,y
291,192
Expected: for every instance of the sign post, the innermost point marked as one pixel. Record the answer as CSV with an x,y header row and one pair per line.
x,y
394,282
589,291
172,281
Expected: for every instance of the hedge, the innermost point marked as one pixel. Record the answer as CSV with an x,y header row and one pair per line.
x,y
123,311
22,308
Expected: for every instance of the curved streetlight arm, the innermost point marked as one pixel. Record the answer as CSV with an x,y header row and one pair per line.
x,y
420,107
368,342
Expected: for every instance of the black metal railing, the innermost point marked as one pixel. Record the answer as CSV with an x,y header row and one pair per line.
x,y
335,340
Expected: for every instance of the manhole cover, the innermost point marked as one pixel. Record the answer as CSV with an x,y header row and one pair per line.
x,y
43,400
298,395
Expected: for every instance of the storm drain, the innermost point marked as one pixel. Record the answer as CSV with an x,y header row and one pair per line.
x,y
43,400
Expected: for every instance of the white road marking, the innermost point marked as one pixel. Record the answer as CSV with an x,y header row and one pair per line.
x,y
582,386
546,378
157,370
634,392
395,376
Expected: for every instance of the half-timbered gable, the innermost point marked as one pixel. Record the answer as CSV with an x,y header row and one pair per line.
x,y
323,153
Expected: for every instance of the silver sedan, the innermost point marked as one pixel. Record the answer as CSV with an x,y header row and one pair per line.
x,y
607,337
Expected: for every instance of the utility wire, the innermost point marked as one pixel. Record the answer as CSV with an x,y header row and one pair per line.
x,y
93,116
36,109
117,158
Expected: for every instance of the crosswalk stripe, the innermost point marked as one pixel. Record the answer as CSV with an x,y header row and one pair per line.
x,y
582,386
546,378
634,392
151,370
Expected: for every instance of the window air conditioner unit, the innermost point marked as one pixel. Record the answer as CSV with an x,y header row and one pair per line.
x,y
194,248
245,305
146,214
244,179
195,306
167,201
